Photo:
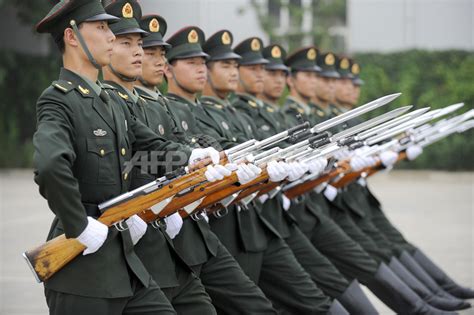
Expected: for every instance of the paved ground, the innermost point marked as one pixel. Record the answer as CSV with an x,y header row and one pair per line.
x,y
434,209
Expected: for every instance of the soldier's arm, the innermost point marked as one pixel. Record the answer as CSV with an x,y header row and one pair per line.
x,y
54,157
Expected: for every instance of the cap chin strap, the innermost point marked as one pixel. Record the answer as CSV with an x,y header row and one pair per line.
x,y
245,86
146,83
179,84
84,45
122,76
213,88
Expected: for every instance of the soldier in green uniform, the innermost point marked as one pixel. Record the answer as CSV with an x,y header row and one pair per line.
x,y
183,289
231,290
325,88
375,225
317,218
350,212
251,57
322,271
82,142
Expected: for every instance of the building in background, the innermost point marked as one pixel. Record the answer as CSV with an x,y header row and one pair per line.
x,y
396,25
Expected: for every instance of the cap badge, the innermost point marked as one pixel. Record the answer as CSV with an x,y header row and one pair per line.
x,y
127,11
154,26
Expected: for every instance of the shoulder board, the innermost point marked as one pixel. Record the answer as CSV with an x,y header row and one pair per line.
x,y
108,86
63,86
252,103
122,95
147,97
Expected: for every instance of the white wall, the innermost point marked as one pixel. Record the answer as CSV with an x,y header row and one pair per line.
x,y
210,15
392,25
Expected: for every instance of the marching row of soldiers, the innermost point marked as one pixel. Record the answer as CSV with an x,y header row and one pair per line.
x,y
270,255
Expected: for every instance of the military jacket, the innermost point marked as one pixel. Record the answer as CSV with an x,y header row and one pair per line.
x,y
82,144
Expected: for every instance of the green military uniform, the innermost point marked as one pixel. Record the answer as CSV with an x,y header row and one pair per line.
x,y
262,263
155,249
82,142
231,290
322,271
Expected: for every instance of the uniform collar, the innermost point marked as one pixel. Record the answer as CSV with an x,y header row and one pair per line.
x,y
154,94
183,100
303,106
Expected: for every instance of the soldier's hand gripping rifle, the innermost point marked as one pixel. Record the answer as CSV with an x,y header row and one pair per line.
x,y
48,258
412,136
260,186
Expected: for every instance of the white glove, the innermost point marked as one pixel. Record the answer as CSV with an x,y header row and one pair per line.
x,y
245,172
286,202
388,158
342,154
414,151
370,161
202,153
330,192
361,181
93,236
263,198
358,163
276,171
317,166
174,223
137,228
318,189
296,170
216,172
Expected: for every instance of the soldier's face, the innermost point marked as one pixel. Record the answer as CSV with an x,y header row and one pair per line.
x,y
355,94
99,39
325,88
154,62
191,73
128,55
224,75
344,90
304,82
252,77
274,83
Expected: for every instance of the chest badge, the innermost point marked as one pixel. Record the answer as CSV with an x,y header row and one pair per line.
x,y
265,128
100,133
225,125
184,124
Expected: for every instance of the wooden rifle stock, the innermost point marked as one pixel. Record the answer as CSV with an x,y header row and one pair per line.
x,y
309,185
48,258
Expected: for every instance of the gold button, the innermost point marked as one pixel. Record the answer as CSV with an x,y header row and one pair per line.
x,y
125,176
102,152
123,151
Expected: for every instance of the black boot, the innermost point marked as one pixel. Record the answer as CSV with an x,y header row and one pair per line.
x,y
398,296
420,289
355,300
441,277
413,266
337,309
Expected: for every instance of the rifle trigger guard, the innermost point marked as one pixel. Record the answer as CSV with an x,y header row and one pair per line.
x,y
120,226
197,216
220,213
159,224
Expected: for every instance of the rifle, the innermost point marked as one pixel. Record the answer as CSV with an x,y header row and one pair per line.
x,y
48,258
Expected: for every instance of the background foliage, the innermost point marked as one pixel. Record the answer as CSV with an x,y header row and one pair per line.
x,y
425,78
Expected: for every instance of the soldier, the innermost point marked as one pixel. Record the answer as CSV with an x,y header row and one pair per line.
x,y
231,290
257,255
269,118
325,88
317,218
386,235
183,289
82,142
